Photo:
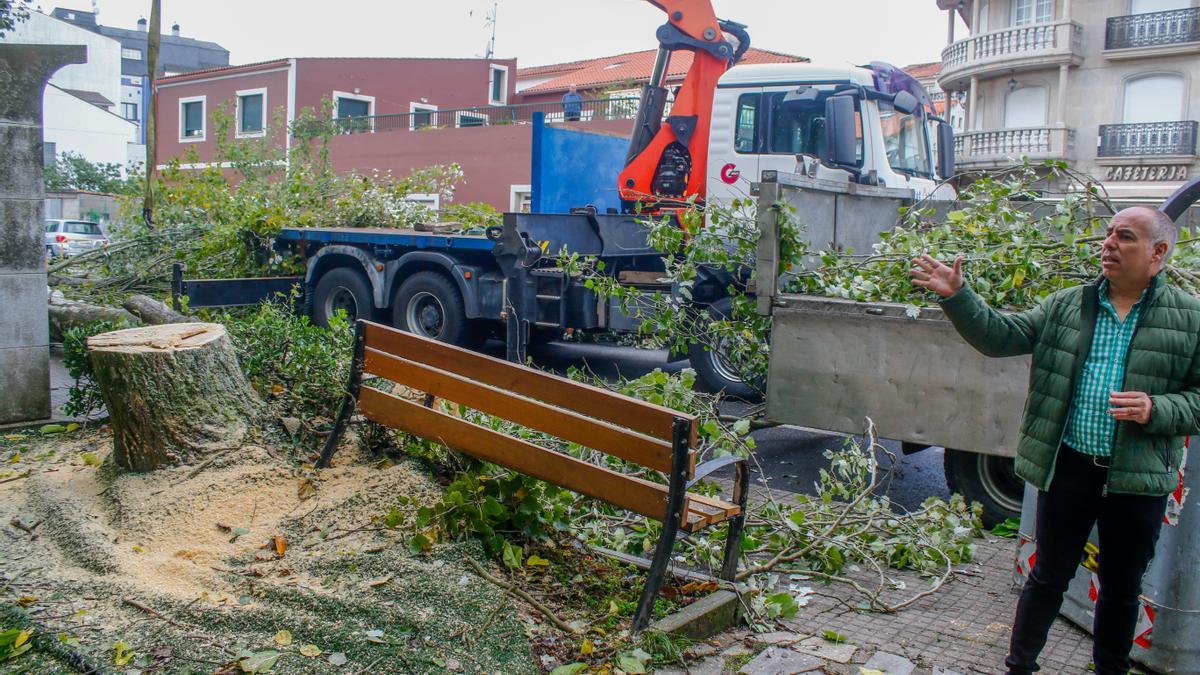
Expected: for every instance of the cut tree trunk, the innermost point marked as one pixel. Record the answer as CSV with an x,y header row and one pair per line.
x,y
154,311
66,314
174,393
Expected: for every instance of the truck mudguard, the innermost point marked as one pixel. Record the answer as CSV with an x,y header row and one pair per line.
x,y
396,270
320,262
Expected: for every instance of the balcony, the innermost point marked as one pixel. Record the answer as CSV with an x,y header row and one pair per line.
x,y
1012,49
1002,147
1136,35
1153,139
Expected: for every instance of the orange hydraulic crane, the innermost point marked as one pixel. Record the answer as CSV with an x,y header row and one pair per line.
x,y
666,164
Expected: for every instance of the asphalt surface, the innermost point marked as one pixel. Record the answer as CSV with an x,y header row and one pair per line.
x,y
790,457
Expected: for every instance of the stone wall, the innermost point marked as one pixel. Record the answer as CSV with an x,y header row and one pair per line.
x,y
24,337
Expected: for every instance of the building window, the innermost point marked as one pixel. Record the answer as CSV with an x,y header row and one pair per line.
x,y
422,116
131,54
129,111
470,119
1025,107
49,153
347,106
520,198
1026,12
1154,98
251,112
498,85
1150,6
191,119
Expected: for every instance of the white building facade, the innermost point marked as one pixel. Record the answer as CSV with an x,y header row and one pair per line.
x,y
81,105
1109,86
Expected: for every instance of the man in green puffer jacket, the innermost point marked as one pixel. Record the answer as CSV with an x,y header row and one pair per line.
x,y
1114,389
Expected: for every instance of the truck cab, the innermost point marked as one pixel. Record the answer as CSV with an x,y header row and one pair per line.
x,y
760,123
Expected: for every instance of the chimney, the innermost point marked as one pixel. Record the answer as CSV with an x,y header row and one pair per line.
x,y
142,24
175,30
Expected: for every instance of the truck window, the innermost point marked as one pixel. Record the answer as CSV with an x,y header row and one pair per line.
x,y
746,131
904,139
795,131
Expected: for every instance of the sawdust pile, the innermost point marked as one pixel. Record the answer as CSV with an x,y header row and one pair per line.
x,y
235,550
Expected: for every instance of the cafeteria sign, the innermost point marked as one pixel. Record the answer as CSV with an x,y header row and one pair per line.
x,y
1152,172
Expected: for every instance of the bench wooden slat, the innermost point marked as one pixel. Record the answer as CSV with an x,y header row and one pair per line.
x,y
711,510
628,492
646,418
565,424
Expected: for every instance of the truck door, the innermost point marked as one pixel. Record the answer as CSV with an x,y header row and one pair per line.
x,y
734,144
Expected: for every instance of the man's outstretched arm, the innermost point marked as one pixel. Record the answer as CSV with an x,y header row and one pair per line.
x,y
993,333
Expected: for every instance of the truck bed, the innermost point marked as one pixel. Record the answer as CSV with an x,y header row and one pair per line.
x,y
378,236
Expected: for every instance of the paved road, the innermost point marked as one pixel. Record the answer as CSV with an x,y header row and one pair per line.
x,y
790,457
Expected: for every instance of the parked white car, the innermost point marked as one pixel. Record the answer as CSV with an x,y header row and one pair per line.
x,y
72,237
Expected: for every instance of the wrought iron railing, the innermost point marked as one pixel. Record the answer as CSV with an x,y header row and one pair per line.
x,y
1150,139
1154,29
1013,42
1033,142
588,110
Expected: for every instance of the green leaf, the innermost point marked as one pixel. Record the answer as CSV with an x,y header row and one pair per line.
x,y
1008,528
259,662
394,518
512,556
537,561
91,459
420,544
53,429
833,636
122,653
630,663
569,669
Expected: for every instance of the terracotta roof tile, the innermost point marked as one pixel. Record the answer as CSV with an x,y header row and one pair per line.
x,y
633,68
923,71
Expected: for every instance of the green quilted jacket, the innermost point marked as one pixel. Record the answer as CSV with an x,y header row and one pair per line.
x,y
1164,362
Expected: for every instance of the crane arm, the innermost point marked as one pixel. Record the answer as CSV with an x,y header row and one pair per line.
x,y
667,164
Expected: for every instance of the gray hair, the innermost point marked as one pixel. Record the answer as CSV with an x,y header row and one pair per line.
x,y
1162,228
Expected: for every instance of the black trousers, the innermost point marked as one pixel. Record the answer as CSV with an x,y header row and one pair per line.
x,y
1129,527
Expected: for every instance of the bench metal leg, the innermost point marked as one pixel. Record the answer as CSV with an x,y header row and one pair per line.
x,y
676,493
351,399
733,543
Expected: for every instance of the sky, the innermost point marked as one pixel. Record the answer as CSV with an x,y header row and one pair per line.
x,y
535,32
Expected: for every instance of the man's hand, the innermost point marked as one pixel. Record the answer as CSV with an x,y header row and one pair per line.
x,y
1129,406
933,275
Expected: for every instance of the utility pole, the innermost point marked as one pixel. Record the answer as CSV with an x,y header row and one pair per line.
x,y
491,21
152,110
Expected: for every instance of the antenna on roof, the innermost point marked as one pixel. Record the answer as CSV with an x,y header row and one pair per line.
x,y
491,21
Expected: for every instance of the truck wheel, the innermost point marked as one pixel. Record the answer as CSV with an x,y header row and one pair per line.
x,y
713,370
341,288
428,304
987,479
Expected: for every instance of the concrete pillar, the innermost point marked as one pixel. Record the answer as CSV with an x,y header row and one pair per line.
x,y
1066,11
975,16
972,116
950,26
1060,116
24,334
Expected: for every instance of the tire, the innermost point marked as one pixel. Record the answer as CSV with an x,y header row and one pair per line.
x,y
341,288
430,305
713,371
987,479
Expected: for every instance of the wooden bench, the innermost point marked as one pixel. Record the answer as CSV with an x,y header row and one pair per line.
x,y
651,436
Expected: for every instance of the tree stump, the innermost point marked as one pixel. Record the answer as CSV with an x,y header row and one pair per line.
x,y
174,393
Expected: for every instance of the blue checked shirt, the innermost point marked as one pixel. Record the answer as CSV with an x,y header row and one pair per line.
x,y
1090,427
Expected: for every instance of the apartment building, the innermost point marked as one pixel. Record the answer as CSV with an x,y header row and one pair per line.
x,y
1109,86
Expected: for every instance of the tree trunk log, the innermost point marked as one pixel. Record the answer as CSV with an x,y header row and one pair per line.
x,y
67,314
154,311
174,393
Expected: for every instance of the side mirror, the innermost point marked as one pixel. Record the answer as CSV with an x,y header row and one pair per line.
x,y
906,103
841,133
945,144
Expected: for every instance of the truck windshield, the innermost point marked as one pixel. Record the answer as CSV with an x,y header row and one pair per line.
x,y
905,141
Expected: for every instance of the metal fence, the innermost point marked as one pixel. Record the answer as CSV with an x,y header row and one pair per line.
x,y
588,110
1148,139
1156,28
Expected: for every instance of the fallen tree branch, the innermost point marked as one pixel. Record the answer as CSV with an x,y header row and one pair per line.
x,y
521,593
154,311
153,612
